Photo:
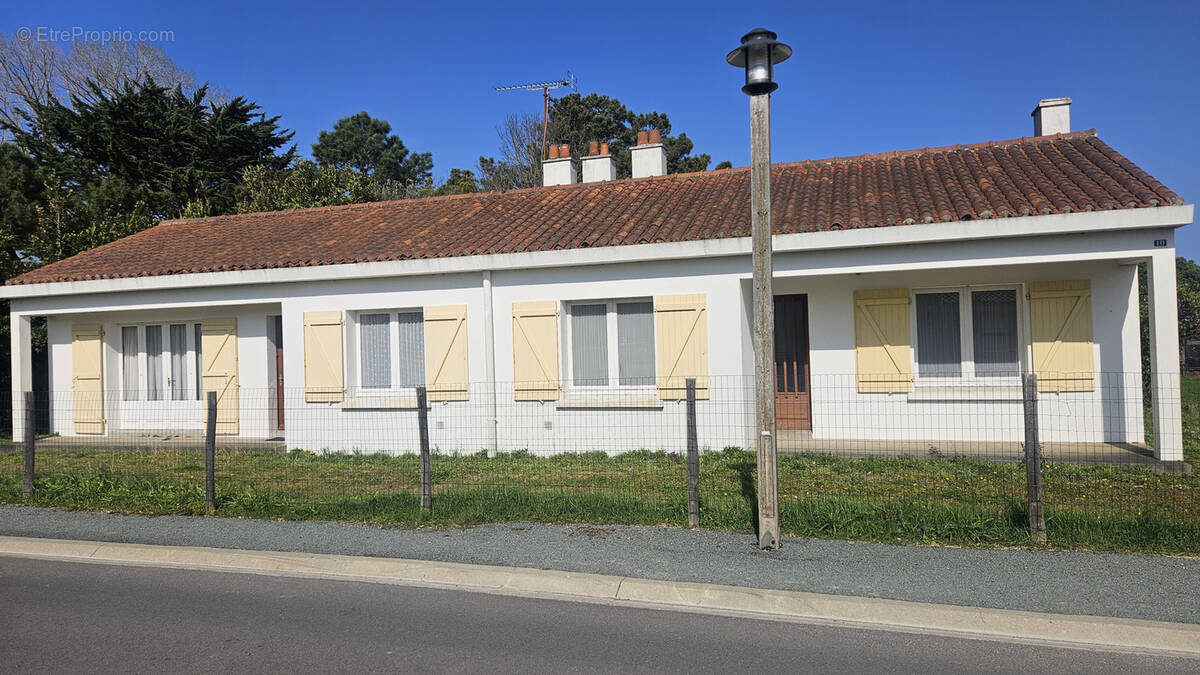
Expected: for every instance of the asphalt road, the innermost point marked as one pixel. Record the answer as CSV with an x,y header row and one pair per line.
x,y
80,617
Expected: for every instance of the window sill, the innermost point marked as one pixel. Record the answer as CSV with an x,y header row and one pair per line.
x,y
1004,389
609,399
380,402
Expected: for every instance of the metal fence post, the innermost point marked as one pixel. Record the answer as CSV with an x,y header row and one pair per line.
x,y
423,426
30,440
210,455
1033,460
693,457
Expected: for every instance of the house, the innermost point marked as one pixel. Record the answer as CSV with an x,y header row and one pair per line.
x,y
912,290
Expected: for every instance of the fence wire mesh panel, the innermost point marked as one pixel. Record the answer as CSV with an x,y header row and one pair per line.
x,y
932,459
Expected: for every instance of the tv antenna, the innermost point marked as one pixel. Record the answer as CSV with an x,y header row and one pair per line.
x,y
569,81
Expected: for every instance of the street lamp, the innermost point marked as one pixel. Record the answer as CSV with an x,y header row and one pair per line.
x,y
758,54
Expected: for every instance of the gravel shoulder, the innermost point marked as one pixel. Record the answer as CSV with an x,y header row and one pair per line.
x,y
1100,584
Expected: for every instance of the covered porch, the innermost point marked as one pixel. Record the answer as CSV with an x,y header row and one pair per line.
x,y
925,357
138,377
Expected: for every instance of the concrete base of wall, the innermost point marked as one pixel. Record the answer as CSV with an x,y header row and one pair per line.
x,y
1121,454
154,441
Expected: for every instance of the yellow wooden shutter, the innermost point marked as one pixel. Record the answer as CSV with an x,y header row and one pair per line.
x,y
882,343
1061,323
87,382
218,345
324,380
535,351
681,349
446,353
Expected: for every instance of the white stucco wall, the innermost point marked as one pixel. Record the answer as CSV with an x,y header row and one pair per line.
x,y
828,276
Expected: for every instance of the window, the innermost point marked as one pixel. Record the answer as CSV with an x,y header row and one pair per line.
x,y
612,343
375,335
967,332
391,350
939,344
129,363
154,353
994,332
199,343
178,379
155,360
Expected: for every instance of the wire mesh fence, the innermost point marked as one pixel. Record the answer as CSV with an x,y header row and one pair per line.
x,y
936,460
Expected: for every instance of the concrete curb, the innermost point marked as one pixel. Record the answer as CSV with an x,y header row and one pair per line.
x,y
1061,629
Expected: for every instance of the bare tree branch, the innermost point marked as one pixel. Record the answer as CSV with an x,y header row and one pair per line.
x,y
38,71
520,162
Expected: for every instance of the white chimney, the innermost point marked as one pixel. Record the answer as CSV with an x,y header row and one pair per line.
x,y
559,168
598,165
1052,116
649,155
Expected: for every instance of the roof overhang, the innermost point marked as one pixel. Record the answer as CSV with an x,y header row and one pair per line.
x,y
897,235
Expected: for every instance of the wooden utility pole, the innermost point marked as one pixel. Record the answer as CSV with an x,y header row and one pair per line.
x,y
764,319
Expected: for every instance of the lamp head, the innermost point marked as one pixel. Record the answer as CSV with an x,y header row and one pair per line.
x,y
757,55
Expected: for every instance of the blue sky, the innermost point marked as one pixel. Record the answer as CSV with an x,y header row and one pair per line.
x,y
865,77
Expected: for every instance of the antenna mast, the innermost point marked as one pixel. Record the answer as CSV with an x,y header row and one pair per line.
x,y
545,87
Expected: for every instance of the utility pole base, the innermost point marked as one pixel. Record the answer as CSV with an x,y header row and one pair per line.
x,y
768,535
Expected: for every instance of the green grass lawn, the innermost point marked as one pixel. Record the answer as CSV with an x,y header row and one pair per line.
x,y
936,500
933,500
1189,397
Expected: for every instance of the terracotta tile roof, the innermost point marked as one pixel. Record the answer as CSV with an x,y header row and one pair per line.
x,y
1027,176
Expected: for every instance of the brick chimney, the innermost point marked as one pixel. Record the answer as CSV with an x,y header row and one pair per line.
x,y
649,155
558,168
598,164
1052,116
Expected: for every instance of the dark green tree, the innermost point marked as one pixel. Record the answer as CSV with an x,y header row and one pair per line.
x,y
366,144
580,119
20,194
460,181
303,185
151,149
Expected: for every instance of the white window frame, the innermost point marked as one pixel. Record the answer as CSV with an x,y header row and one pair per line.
x,y
966,337
355,366
614,365
143,387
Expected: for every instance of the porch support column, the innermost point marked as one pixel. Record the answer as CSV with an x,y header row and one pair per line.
x,y
21,352
489,365
1164,357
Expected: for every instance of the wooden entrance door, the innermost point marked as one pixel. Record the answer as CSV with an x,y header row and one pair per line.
x,y
793,402
279,372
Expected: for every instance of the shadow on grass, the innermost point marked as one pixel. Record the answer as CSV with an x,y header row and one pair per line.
x,y
747,472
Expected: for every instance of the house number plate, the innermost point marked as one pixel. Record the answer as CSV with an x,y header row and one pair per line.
x,y
1160,243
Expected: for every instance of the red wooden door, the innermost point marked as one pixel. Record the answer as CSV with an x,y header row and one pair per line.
x,y
793,402
279,372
